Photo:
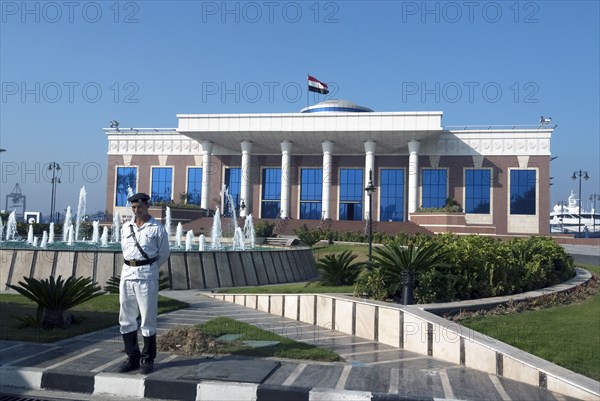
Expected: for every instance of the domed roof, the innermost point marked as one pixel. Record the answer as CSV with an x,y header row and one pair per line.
x,y
336,106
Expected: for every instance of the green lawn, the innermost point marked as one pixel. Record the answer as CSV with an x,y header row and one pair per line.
x,y
568,336
95,314
362,250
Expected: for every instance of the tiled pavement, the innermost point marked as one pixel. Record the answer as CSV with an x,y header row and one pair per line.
x,y
87,365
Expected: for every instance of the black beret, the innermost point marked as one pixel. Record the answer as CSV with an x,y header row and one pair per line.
x,y
140,196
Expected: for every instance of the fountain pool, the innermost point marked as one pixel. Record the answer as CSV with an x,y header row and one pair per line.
x,y
216,265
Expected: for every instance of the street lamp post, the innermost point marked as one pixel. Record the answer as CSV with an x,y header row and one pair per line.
x,y
593,198
579,174
370,190
55,168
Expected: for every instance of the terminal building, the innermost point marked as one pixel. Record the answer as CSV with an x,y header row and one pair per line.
x,y
315,165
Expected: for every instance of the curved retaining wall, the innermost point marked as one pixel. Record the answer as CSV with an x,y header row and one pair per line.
x,y
186,270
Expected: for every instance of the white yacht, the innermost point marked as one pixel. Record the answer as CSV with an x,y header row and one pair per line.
x,y
566,218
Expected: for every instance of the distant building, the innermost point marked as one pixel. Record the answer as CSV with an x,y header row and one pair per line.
x,y
316,163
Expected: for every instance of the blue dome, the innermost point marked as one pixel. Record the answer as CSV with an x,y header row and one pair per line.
x,y
335,106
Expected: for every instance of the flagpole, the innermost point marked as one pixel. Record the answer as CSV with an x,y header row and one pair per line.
x,y
307,90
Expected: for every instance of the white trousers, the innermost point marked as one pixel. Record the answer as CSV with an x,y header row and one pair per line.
x,y
142,295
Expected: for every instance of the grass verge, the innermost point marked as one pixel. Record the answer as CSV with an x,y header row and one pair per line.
x,y
567,335
95,314
202,339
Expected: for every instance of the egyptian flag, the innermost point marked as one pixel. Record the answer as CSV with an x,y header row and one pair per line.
x,y
314,85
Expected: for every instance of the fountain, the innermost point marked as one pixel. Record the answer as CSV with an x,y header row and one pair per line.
x,y
238,240
168,221
95,231
218,264
30,234
178,235
216,233
249,234
80,211
104,237
116,228
44,243
66,224
1,228
70,239
51,234
231,206
189,240
11,227
201,243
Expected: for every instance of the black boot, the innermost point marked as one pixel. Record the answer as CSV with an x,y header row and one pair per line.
x,y
132,349
148,354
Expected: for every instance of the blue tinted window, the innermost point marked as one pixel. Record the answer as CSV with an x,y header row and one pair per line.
x,y
162,184
126,178
433,188
351,194
522,191
233,182
391,198
477,191
271,193
194,185
311,187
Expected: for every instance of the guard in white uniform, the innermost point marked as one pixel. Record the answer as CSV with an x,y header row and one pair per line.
x,y
145,246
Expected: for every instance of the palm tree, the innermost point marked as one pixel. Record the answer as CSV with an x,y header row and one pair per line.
x,y
400,265
54,297
339,269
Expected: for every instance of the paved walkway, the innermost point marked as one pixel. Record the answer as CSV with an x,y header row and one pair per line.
x,y
87,365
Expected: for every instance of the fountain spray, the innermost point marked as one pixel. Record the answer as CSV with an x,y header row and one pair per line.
x,y
216,232
80,211
51,233
66,224
11,226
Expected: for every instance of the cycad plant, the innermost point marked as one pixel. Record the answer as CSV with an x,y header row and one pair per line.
x,y
54,297
400,265
339,269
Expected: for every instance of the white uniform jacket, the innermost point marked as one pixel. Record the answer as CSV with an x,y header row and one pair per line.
x,y
153,239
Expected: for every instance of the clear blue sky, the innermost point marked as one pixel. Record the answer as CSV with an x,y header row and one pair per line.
x,y
68,69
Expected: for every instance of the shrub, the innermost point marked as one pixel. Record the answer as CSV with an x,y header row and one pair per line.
x,y
339,269
371,284
263,228
308,236
451,206
54,297
480,267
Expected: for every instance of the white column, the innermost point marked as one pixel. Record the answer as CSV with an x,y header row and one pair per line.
x,y
369,166
286,148
327,175
206,173
413,175
245,192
